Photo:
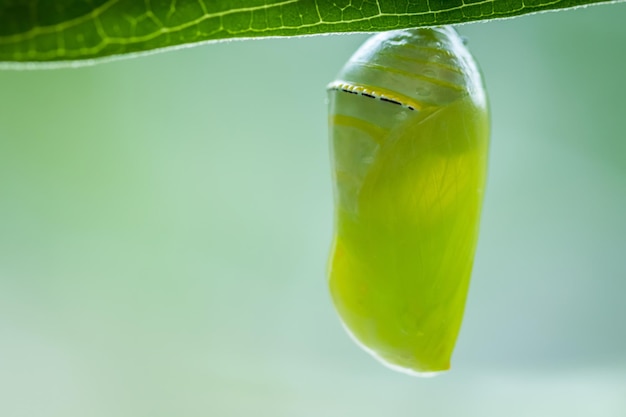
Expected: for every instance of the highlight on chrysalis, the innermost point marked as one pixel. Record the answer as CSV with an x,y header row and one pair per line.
x,y
409,136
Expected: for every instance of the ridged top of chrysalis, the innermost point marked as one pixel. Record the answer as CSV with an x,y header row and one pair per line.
x,y
425,66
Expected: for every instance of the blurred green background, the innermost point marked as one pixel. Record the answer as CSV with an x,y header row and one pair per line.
x,y
165,223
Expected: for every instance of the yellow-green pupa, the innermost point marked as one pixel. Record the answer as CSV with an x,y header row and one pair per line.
x,y
409,133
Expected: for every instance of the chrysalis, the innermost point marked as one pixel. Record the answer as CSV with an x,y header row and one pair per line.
x,y
409,130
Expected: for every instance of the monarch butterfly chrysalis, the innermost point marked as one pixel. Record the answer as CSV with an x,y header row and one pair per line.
x,y
409,130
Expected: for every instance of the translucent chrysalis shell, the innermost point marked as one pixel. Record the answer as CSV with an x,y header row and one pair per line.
x,y
409,131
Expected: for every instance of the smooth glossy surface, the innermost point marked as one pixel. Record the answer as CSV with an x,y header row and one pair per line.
x,y
409,182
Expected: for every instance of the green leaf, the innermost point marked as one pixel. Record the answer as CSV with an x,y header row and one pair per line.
x,y
69,30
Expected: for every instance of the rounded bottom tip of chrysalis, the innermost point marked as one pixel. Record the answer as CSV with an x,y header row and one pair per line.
x,y
409,371
420,373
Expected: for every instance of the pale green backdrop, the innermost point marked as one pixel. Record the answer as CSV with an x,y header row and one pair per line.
x,y
165,222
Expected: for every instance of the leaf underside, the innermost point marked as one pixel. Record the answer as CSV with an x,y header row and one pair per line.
x,y
70,30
